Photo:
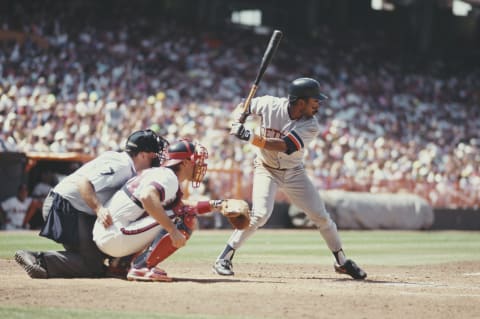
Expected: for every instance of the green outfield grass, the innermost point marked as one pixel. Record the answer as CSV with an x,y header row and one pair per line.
x,y
304,246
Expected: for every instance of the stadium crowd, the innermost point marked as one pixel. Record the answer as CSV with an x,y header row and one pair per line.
x,y
388,126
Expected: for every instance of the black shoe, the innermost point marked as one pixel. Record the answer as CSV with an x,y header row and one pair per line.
x,y
223,267
118,267
350,268
31,263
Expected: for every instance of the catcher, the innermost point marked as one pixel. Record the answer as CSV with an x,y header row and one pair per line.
x,y
150,217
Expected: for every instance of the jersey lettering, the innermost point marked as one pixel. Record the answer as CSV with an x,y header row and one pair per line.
x,y
110,172
271,133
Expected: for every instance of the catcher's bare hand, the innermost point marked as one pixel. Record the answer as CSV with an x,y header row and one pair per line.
x,y
103,215
178,240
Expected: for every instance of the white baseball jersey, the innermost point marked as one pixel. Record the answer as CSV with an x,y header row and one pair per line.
x,y
107,173
132,227
16,211
276,122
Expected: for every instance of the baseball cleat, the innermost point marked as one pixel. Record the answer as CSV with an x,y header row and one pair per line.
x,y
118,267
350,268
31,264
147,274
223,267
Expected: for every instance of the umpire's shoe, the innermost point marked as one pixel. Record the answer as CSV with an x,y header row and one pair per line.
x,y
223,267
32,264
350,268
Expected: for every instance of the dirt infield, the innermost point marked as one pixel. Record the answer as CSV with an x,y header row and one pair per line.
x,y
264,290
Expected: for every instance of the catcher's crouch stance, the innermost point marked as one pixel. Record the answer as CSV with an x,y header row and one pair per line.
x,y
148,212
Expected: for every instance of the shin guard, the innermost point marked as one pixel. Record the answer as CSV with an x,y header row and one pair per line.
x,y
162,247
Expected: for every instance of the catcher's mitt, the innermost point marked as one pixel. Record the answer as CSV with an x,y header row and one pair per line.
x,y
237,212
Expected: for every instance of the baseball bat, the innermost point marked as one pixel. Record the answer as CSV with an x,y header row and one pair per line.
x,y
267,57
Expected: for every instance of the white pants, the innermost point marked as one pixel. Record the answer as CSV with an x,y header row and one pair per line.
x,y
122,240
300,190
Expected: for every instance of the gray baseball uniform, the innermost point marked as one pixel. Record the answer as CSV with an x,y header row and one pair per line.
x,y
285,171
107,173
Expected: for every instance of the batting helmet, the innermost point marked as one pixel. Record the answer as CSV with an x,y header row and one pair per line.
x,y
305,88
186,150
147,141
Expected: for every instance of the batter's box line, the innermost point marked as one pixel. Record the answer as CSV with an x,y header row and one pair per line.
x,y
213,280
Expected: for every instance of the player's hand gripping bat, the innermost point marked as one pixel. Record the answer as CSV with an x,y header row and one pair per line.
x,y
267,57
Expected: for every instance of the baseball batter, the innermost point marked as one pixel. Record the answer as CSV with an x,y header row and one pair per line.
x,y
288,126
74,205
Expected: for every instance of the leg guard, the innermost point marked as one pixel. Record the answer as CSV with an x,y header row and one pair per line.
x,y
161,248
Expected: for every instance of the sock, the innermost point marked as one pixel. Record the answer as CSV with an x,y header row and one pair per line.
x,y
227,253
340,257
141,260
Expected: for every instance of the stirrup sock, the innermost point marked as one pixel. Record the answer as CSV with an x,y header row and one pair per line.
x,y
228,253
340,257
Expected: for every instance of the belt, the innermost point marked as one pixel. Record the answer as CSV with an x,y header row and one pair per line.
x,y
278,169
133,198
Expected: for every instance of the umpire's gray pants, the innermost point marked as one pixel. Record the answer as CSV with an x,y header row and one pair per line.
x,y
81,260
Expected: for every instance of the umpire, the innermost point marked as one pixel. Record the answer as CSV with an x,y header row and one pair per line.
x,y
72,207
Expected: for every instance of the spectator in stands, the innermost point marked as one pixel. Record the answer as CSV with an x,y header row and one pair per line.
x,y
60,143
8,143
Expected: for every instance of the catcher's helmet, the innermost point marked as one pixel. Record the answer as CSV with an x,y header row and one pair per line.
x,y
305,88
186,150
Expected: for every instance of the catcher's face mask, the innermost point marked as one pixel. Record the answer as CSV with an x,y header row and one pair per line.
x,y
195,153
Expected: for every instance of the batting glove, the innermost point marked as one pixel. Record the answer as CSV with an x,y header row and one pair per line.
x,y
240,132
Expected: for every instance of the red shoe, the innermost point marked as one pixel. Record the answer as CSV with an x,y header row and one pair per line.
x,y
148,274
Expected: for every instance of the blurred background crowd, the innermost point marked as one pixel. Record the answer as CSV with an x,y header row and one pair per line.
x,y
82,82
